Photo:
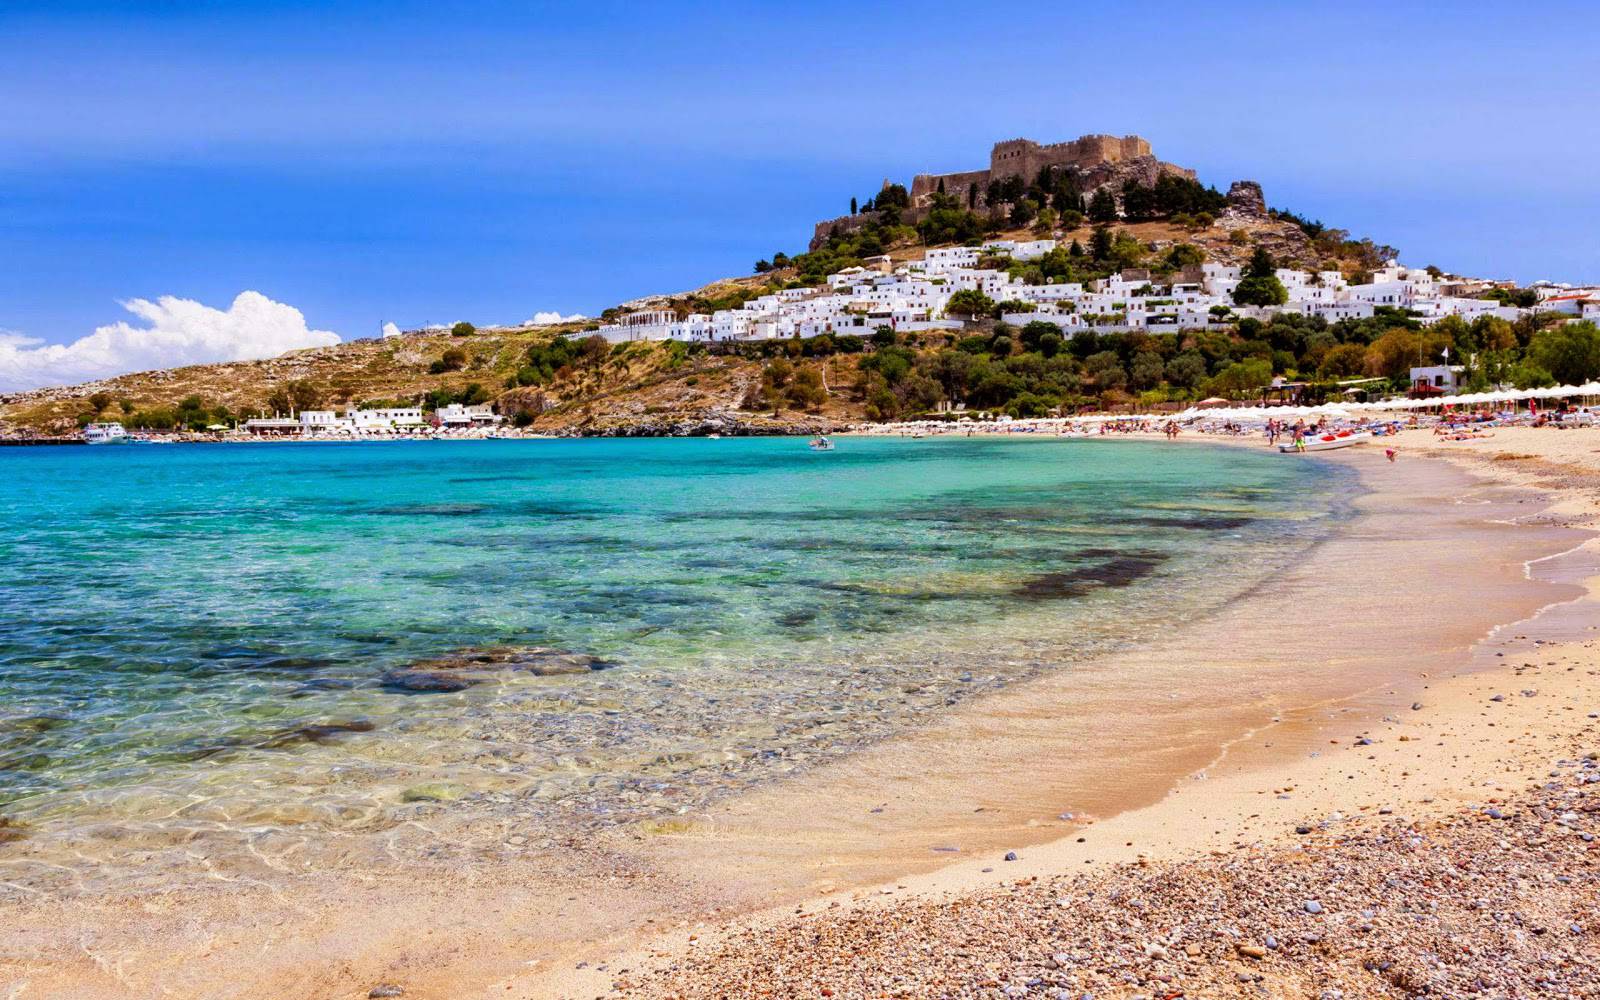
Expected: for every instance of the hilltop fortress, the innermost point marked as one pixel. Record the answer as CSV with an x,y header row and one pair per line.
x,y
1095,161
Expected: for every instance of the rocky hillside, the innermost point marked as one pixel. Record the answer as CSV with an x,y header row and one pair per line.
x,y
632,388
639,388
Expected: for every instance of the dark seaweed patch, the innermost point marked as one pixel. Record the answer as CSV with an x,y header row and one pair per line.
x,y
558,508
1120,572
863,590
1209,522
321,733
431,510
261,659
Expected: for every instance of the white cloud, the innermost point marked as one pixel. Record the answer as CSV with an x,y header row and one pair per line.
x,y
546,318
390,330
175,332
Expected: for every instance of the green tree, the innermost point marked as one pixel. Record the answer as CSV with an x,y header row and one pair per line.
x,y
452,360
805,389
1146,370
1030,404
305,395
1184,255
1105,368
1126,251
1100,243
1102,207
1569,352
1259,291
1342,361
463,329
1034,332
1187,369
1400,349
969,302
1240,377
1527,375
919,392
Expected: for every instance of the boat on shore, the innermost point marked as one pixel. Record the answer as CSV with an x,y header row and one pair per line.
x,y
1326,442
108,433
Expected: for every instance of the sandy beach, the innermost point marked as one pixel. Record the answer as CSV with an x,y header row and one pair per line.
x,y
1429,833
1169,808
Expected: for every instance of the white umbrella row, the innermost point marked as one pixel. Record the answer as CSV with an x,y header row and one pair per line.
x,y
1336,410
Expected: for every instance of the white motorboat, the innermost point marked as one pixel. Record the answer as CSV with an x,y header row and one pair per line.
x,y
820,443
110,433
1326,442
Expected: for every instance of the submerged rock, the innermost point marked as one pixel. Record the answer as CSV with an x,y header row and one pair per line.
x,y
426,681
459,671
317,732
433,791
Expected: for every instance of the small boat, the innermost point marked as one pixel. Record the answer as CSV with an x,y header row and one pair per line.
x,y
714,437
820,443
1326,442
110,433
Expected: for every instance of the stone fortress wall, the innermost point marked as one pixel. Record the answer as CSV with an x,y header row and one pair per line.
x,y
1024,158
1098,160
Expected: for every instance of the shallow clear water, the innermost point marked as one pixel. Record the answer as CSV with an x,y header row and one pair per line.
x,y
175,616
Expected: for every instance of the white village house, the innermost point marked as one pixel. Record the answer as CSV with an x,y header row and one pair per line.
x,y
913,296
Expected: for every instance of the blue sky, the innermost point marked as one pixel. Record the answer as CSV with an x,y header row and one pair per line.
x,y
420,163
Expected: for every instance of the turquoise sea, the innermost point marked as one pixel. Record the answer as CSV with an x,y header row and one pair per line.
x,y
196,636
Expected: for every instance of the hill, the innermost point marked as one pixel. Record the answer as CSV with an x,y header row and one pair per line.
x,y
546,381
646,387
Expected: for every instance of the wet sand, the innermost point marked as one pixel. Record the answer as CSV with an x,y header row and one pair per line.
x,y
1160,751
